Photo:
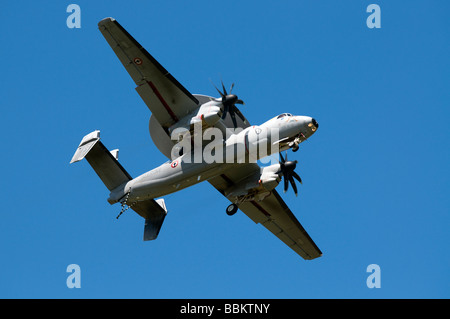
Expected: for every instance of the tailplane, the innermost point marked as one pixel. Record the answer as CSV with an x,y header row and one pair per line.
x,y
113,175
103,162
154,212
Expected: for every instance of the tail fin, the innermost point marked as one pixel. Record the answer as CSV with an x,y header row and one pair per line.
x,y
103,162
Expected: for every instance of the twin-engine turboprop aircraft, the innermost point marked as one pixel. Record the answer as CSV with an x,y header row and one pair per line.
x,y
182,126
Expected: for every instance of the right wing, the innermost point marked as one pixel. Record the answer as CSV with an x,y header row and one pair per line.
x,y
166,98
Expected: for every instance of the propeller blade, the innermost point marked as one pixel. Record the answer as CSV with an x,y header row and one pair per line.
x,y
233,118
286,184
282,159
221,94
224,90
240,102
239,113
297,177
231,88
294,187
225,111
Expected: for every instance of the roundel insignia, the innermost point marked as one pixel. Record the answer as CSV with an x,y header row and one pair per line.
x,y
174,164
138,61
258,130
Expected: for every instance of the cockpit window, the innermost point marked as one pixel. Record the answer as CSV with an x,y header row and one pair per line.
x,y
283,115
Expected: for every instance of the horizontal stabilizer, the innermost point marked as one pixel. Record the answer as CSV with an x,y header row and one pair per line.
x,y
154,212
85,146
103,162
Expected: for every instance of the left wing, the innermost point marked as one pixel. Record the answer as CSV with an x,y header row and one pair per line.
x,y
275,215
166,98
272,212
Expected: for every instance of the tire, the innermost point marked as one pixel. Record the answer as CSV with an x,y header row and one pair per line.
x,y
231,209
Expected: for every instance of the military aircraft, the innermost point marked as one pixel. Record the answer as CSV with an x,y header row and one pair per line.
x,y
232,166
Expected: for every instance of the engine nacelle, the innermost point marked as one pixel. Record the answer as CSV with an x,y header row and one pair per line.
x,y
269,177
209,113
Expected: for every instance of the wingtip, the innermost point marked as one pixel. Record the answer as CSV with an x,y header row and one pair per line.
x,y
105,21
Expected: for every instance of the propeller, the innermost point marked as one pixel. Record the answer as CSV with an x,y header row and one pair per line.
x,y
229,100
287,169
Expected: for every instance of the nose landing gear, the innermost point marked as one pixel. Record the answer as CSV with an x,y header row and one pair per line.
x,y
295,143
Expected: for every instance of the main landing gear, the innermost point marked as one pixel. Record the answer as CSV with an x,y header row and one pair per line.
x,y
232,209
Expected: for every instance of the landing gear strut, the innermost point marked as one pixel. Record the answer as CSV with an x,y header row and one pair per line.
x,y
295,143
232,209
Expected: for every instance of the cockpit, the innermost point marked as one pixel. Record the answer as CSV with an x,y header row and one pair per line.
x,y
283,115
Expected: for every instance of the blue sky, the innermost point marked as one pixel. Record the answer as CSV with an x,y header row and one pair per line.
x,y
376,176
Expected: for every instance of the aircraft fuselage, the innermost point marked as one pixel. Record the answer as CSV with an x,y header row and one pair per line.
x,y
203,163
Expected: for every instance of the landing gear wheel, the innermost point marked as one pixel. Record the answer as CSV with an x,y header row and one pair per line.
x,y
231,209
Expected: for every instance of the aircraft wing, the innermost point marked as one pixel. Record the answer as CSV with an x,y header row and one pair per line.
x,y
166,98
272,212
